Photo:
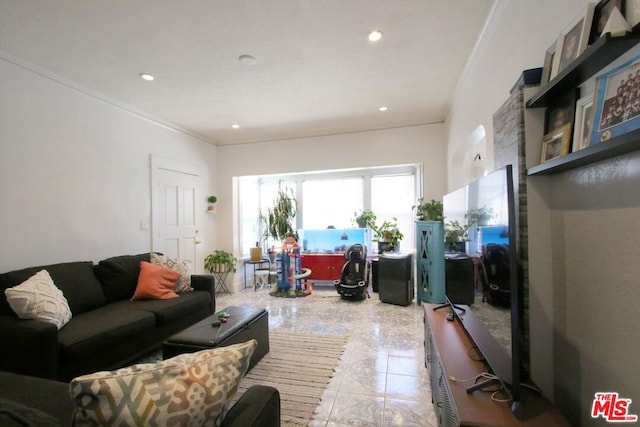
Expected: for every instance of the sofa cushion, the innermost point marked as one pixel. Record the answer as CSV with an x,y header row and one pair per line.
x,y
119,275
191,389
155,282
181,266
39,298
75,279
101,329
168,311
48,396
15,414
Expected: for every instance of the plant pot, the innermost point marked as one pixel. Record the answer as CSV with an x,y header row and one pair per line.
x,y
256,254
220,268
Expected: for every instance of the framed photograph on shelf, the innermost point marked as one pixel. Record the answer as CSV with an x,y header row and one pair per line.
x,y
563,112
616,105
572,44
601,15
632,13
556,56
583,123
548,61
556,143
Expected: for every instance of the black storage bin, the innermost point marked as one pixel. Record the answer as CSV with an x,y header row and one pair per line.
x,y
395,278
459,277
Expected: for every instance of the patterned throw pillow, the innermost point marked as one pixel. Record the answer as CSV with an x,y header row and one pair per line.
x,y
181,266
191,389
39,298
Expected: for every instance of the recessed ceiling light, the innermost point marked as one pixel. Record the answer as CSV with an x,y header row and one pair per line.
x,y
146,76
247,59
383,108
235,126
375,35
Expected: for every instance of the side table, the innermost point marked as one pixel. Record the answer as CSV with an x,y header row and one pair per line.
x,y
259,269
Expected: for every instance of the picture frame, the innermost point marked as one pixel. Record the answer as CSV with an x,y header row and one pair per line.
x,y
571,45
555,57
616,108
632,13
601,15
548,61
563,112
556,144
583,123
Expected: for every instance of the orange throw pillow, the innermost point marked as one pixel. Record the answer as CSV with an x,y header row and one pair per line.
x,y
156,282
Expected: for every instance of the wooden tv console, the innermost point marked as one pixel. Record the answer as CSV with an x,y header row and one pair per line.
x,y
448,355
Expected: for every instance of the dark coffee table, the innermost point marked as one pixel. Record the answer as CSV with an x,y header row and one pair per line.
x,y
243,324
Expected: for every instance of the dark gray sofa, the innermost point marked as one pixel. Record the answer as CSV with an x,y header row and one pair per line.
x,y
28,401
107,330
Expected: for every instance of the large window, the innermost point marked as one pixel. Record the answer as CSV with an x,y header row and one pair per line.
x,y
331,202
392,197
331,198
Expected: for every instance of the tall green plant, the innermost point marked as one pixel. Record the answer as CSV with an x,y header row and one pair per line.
x,y
279,219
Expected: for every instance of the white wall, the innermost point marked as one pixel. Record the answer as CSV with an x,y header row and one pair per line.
x,y
75,173
515,40
589,215
415,144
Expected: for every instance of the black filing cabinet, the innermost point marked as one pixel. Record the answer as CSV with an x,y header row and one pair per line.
x,y
395,278
459,277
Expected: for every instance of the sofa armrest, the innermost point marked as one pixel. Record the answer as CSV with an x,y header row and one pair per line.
x,y
205,282
30,347
258,406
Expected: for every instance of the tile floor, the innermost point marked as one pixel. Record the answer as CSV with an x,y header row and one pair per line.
x,y
381,379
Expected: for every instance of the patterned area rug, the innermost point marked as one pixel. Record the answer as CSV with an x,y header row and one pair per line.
x,y
300,367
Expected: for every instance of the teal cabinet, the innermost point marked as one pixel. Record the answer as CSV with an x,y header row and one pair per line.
x,y
430,262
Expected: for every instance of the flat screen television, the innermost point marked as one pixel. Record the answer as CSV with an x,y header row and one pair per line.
x,y
500,340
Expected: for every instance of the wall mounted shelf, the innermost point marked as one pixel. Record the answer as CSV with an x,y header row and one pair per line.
x,y
600,54
597,56
594,153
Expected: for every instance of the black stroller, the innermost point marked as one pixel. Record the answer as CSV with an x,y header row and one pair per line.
x,y
354,278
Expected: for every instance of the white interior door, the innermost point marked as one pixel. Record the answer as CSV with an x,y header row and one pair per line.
x,y
175,206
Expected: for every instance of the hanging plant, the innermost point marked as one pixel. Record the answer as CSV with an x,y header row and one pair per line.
x,y
212,200
365,218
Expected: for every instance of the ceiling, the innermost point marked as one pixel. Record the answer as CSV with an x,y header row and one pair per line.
x,y
315,72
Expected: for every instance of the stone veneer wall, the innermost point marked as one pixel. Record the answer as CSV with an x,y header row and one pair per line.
x,y
509,148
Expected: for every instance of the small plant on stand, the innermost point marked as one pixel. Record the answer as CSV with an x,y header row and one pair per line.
x,y
212,203
220,262
388,236
455,234
428,211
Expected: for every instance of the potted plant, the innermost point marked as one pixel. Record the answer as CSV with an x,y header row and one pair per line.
x,y
479,216
365,218
279,220
455,234
220,262
388,236
428,211
211,200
